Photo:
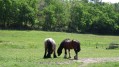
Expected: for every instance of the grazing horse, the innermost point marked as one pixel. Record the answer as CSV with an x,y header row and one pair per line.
x,y
50,47
68,44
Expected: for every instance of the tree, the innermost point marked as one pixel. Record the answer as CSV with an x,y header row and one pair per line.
x,y
55,15
17,13
78,14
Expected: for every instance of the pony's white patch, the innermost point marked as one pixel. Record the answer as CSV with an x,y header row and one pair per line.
x,y
50,40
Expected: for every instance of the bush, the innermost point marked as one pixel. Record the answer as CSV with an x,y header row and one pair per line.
x,y
113,46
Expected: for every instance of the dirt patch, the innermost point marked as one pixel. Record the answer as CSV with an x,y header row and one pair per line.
x,y
59,63
86,61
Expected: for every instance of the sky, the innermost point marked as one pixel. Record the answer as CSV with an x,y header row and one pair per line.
x,y
112,1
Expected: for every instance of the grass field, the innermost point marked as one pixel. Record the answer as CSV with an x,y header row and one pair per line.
x,y
26,48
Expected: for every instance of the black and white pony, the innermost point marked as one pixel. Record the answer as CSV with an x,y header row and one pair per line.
x,y
50,47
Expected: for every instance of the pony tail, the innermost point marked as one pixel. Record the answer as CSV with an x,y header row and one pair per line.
x,y
49,47
78,47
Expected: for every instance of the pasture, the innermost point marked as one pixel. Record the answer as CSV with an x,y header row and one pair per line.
x,y
26,49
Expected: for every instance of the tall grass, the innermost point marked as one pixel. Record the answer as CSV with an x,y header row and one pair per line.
x,y
26,48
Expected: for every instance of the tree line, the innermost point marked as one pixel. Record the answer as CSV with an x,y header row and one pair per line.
x,y
60,15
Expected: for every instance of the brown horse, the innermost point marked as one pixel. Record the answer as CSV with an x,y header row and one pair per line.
x,y
68,44
50,47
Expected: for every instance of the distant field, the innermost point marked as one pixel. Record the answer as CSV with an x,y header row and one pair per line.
x,y
26,48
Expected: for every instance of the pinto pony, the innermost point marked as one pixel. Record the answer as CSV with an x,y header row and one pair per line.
x,y
68,44
50,47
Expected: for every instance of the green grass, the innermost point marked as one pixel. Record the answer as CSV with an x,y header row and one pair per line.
x,y
26,48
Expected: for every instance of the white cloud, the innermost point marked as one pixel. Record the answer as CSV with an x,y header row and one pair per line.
x,y
111,1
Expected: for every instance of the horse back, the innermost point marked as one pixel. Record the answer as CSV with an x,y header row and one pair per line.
x,y
68,44
68,47
72,44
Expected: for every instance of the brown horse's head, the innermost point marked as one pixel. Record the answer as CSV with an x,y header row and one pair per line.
x,y
59,51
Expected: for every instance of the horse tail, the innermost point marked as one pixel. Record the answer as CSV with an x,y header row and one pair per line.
x,y
78,47
49,45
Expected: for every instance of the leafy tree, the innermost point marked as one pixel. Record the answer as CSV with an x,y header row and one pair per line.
x,y
76,15
5,11
56,16
60,15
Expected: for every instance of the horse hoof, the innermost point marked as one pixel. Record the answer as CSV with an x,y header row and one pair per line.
x,y
45,57
65,57
48,57
55,57
75,57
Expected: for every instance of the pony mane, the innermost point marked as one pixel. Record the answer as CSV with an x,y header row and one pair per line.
x,y
59,51
60,47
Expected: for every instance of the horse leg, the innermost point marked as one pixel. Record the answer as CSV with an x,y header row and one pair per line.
x,y
65,56
69,53
55,54
76,56
45,53
49,54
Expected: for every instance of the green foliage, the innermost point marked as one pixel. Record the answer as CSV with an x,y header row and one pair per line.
x,y
56,17
17,13
76,15
60,15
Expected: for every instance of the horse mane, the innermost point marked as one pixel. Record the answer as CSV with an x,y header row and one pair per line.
x,y
62,43
60,47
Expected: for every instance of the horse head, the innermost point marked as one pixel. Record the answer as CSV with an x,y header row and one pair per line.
x,y
59,51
